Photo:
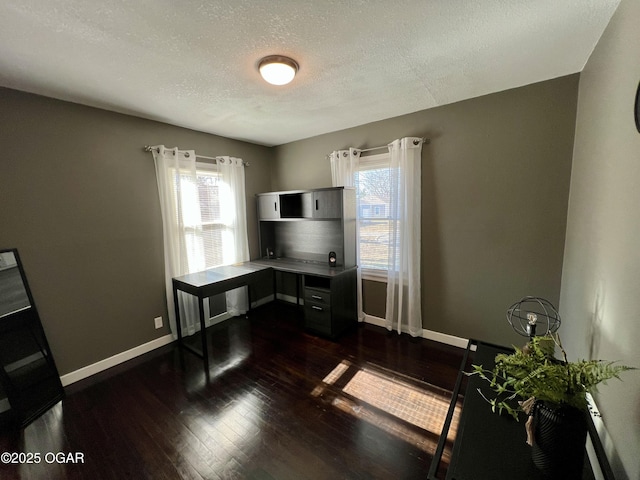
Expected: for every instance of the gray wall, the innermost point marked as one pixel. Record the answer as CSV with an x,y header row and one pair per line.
x,y
600,296
79,200
495,182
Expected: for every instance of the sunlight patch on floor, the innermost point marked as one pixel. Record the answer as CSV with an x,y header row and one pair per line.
x,y
413,412
423,408
332,377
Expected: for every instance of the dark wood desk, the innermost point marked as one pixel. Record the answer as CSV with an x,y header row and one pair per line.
x,y
208,283
301,268
214,281
489,445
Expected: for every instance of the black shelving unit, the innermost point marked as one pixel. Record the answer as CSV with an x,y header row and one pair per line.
x,y
28,373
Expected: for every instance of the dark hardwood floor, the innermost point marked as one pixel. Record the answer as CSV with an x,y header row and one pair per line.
x,y
278,404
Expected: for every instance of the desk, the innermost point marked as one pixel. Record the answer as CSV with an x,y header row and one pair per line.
x,y
489,445
301,267
206,284
214,281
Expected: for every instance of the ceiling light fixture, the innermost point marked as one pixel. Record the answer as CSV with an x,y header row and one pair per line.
x,y
278,70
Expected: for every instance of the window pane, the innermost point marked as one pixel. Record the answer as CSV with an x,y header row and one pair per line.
x,y
209,194
372,186
204,232
212,240
374,243
188,193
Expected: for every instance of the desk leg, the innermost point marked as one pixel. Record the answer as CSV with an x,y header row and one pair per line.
x,y
275,286
248,300
203,333
176,306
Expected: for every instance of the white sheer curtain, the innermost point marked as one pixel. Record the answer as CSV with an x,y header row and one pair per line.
x,y
178,190
403,283
344,166
184,245
235,243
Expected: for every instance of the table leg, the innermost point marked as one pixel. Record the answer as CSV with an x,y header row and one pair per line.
x,y
248,300
176,306
203,333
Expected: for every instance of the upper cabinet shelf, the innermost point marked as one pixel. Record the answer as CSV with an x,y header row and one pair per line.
x,y
308,225
321,204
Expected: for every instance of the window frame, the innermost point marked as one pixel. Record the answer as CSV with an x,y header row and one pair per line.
x,y
371,162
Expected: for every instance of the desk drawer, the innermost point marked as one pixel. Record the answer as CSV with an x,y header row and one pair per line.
x,y
317,317
317,296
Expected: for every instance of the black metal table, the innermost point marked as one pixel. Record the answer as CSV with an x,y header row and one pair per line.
x,y
492,446
208,283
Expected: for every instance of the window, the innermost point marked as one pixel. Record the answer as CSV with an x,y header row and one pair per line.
x,y
373,195
213,228
206,233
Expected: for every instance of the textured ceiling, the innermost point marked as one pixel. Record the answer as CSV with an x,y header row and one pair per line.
x,y
194,63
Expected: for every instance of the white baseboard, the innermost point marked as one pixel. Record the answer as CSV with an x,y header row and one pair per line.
x,y
374,320
102,365
428,334
122,357
445,338
217,319
117,359
603,434
288,298
262,301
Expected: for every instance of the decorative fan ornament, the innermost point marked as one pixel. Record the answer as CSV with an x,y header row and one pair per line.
x,y
533,316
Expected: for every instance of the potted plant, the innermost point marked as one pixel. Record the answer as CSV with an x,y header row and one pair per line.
x,y
553,393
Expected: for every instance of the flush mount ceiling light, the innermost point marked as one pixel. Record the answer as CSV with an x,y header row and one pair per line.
x,y
278,70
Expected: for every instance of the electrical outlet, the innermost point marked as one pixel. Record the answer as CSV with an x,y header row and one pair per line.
x,y
158,322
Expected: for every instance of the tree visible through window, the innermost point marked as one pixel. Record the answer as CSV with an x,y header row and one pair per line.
x,y
373,192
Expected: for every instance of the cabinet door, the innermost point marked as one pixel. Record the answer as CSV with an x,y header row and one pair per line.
x,y
307,205
327,204
268,207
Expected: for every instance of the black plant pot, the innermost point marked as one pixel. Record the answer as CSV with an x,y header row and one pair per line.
x,y
560,435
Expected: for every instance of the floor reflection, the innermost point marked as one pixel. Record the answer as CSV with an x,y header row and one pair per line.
x,y
234,428
45,437
229,348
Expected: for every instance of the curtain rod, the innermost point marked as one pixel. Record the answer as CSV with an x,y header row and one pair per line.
x,y
425,141
148,148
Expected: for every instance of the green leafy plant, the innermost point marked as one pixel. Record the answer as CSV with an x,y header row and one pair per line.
x,y
533,372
